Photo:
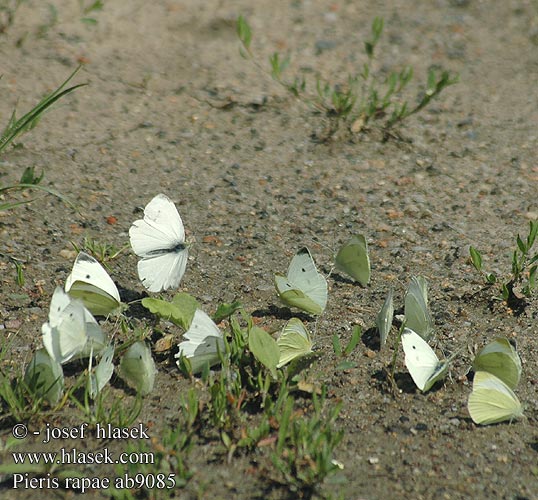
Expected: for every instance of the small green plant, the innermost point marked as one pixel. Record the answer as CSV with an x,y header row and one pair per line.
x,y
166,457
305,446
362,98
88,10
103,252
346,351
522,281
17,126
8,9
106,410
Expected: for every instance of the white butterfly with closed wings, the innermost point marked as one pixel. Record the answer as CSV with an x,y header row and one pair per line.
x,y
159,238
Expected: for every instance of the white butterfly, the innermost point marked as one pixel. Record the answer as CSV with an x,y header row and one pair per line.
x,y
65,334
501,359
203,342
421,361
90,282
417,314
138,369
294,342
99,377
384,318
492,401
44,376
303,287
159,239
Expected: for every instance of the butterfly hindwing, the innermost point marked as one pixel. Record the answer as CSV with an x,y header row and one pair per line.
x,y
492,401
138,369
65,334
417,314
44,377
385,317
103,372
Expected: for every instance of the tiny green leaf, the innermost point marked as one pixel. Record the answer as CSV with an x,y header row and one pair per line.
x,y
337,346
346,365
180,311
476,258
264,348
521,245
355,338
244,32
225,310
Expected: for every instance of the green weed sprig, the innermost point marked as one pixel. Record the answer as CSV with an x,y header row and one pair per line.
x,y
524,267
17,126
363,97
305,446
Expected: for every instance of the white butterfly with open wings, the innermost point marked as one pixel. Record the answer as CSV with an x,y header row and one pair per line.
x,y
159,238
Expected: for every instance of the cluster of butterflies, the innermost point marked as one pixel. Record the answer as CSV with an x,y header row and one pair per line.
x,y
72,332
497,367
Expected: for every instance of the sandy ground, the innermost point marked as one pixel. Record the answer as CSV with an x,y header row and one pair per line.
x,y
172,107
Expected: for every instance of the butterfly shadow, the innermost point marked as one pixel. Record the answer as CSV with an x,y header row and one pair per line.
x,y
402,382
134,300
283,313
370,339
339,278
